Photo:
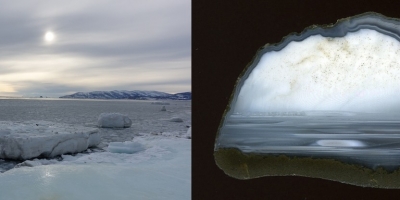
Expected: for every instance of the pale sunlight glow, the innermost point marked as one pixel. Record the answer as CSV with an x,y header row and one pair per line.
x,y
6,88
49,37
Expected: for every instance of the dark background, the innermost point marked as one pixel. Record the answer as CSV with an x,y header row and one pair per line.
x,y
226,36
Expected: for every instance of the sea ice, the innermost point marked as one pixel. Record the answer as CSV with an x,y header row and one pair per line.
x,y
28,163
162,171
175,119
160,103
189,133
125,147
114,120
30,139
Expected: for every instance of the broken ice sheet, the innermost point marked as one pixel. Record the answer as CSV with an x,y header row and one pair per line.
x,y
32,139
324,103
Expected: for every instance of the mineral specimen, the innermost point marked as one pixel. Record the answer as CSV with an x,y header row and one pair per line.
x,y
324,103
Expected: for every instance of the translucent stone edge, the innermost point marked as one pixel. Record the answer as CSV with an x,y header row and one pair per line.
x,y
248,165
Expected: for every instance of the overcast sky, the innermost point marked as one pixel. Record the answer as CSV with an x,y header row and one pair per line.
x,y
97,45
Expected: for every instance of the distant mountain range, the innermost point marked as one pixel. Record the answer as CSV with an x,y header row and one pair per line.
x,y
135,94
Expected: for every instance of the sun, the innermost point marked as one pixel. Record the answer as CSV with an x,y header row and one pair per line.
x,y
49,36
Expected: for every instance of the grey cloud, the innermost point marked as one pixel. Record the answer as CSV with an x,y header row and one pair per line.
x,y
166,49
117,34
34,89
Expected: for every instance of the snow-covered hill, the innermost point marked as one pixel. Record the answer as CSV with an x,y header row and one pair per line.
x,y
135,94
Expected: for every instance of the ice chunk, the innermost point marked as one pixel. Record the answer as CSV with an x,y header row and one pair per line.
x,y
125,147
160,103
175,119
114,120
189,133
29,163
30,139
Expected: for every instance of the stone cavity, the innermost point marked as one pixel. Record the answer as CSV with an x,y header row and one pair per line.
x,y
359,72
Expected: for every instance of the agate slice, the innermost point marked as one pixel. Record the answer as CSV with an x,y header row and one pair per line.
x,y
324,103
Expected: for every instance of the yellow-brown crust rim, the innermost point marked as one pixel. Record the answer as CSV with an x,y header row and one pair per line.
x,y
246,166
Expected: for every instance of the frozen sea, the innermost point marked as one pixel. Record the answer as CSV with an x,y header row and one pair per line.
x,y
162,170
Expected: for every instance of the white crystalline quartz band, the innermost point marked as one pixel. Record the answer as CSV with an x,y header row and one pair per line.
x,y
340,143
357,72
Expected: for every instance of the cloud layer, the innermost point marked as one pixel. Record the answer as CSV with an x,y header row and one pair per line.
x,y
99,45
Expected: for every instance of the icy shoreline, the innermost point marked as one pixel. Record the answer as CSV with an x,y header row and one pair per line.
x,y
160,170
31,139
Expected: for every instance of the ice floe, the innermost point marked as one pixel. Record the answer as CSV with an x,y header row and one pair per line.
x,y
30,139
114,120
125,147
189,133
160,103
176,119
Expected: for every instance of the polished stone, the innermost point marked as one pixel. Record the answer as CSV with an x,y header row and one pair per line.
x,y
327,100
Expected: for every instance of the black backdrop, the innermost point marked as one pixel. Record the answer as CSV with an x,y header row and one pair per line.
x,y
226,36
